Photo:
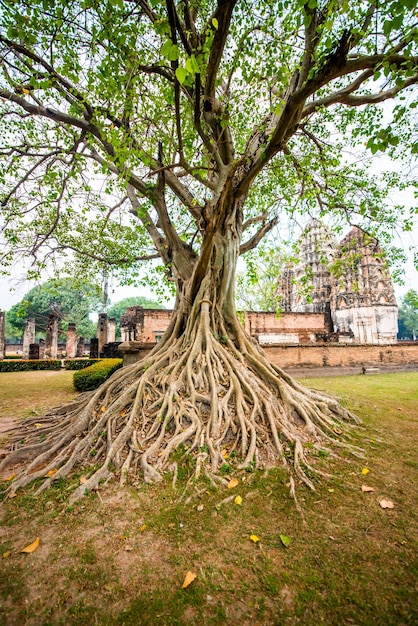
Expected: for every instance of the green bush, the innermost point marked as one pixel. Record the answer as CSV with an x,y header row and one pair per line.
x,y
13,356
92,377
27,366
79,364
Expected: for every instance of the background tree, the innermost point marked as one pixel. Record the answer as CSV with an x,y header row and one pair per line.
x,y
71,300
408,316
183,129
118,308
256,284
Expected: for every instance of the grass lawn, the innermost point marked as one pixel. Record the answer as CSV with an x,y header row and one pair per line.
x,y
120,556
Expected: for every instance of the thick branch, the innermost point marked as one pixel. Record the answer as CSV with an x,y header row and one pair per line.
x,y
259,235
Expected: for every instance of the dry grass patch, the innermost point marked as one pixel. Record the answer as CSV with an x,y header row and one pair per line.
x,y
120,555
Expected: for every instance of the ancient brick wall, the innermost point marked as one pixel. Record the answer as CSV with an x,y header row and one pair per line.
x,y
308,327
337,355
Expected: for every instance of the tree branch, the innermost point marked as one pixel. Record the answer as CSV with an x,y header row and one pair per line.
x,y
259,235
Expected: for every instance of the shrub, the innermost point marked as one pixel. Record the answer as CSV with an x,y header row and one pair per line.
x,y
27,366
79,364
92,377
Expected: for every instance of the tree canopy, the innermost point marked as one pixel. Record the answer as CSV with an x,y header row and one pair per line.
x,y
122,121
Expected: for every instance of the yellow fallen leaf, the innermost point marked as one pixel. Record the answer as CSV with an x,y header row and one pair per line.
x,y
9,478
366,489
238,500
331,490
386,504
103,409
51,473
32,547
83,480
233,483
224,453
188,579
365,471
6,554
143,527
24,88
38,425
254,538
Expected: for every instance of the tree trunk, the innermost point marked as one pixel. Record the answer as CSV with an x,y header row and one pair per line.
x,y
206,387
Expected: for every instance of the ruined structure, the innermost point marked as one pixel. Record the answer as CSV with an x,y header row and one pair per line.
x,y
28,336
71,343
51,338
349,283
363,301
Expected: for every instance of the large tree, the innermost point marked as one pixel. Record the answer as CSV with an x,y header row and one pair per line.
x,y
179,129
408,316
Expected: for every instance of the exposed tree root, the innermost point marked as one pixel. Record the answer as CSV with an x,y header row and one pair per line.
x,y
194,390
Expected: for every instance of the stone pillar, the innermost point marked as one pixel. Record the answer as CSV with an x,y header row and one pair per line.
x,y
80,347
2,335
28,336
94,348
34,351
102,331
111,330
71,343
51,339
42,348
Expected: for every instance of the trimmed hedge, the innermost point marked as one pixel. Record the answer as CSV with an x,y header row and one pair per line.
x,y
79,364
13,356
27,366
92,377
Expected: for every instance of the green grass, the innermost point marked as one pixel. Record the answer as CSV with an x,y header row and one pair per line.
x,y
121,558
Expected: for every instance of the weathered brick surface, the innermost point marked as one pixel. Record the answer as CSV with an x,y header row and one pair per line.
x,y
334,355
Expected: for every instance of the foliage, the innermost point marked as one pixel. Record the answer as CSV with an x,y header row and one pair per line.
x,y
408,316
70,299
121,122
93,376
27,366
118,308
78,364
257,284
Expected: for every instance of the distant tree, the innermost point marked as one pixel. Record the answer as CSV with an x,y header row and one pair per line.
x,y
408,316
69,299
118,308
256,285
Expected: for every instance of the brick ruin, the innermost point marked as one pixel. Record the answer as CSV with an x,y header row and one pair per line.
x,y
348,282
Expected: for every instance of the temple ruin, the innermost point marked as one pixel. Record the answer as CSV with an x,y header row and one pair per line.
x,y
348,282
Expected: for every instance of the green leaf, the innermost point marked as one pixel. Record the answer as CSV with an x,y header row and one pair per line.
x,y
215,23
285,540
181,74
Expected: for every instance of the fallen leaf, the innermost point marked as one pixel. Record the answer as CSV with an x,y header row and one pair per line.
x,y
225,453
386,504
367,489
26,91
143,527
365,471
331,490
83,480
12,494
233,483
103,409
6,554
188,579
285,540
9,478
200,507
51,473
237,500
254,538
32,547
38,425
